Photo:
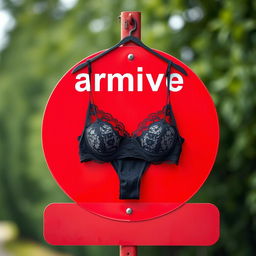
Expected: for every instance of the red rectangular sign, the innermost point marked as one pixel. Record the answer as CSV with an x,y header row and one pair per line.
x,y
191,224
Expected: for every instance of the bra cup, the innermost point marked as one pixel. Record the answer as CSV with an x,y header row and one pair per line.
x,y
159,138
102,137
168,139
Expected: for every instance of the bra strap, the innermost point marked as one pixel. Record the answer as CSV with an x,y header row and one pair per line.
x,y
91,99
168,106
90,80
168,76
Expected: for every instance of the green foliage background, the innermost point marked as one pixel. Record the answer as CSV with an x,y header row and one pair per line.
x,y
48,39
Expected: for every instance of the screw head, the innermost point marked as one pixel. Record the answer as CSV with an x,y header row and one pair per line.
x,y
129,211
130,56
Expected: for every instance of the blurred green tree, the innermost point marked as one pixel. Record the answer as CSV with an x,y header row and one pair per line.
x,y
216,38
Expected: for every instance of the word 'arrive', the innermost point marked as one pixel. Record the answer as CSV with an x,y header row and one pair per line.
x,y
176,81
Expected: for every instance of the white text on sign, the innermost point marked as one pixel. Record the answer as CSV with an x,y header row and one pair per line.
x,y
176,81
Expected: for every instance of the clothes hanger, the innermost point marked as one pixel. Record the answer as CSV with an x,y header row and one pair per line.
x,y
125,40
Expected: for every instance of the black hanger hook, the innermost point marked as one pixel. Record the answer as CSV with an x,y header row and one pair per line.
x,y
134,27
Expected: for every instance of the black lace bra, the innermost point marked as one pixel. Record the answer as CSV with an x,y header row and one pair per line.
x,y
155,140
104,139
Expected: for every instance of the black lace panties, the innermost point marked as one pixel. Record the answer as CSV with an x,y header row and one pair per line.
x,y
130,171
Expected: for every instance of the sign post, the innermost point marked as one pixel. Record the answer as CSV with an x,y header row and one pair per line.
x,y
129,81
126,27
128,250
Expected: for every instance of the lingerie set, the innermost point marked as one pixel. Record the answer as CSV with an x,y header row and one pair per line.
x,y
156,140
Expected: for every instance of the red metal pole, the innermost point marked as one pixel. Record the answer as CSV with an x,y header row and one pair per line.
x,y
127,25
128,250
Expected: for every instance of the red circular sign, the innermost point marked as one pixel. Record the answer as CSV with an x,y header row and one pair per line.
x,y
95,185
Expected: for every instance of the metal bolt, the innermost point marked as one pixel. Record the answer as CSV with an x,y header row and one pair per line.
x,y
130,56
129,211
